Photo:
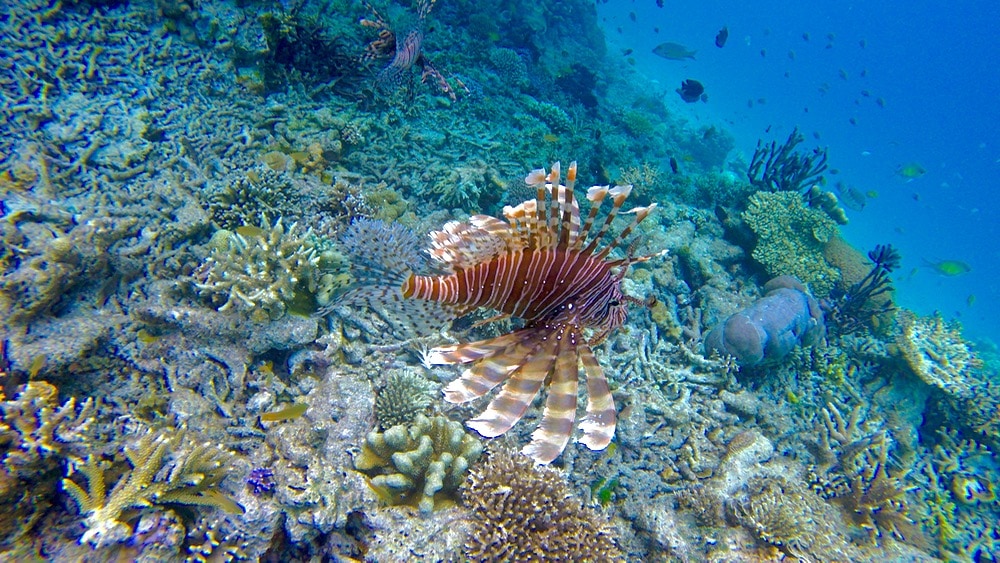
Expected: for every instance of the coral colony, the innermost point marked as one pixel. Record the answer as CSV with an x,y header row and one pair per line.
x,y
272,282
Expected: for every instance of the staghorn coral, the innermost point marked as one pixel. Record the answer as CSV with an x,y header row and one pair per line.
x,y
790,239
405,395
419,464
167,468
36,434
525,512
937,354
266,271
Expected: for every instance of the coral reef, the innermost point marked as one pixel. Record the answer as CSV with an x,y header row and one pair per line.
x,y
785,317
166,469
37,433
790,239
526,512
418,464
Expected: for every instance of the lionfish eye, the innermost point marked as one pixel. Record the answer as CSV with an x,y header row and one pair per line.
x,y
614,303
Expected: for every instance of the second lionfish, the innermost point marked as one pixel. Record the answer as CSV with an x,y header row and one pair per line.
x,y
545,266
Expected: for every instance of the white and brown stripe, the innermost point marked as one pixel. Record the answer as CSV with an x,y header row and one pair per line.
x,y
540,265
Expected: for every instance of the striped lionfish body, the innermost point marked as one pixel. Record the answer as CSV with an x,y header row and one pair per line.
x,y
541,265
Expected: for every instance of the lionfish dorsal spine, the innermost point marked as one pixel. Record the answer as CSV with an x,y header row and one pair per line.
x,y
640,214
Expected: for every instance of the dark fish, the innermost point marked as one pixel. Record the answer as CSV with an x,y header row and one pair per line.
x,y
720,38
673,165
656,30
805,36
853,121
631,16
866,93
673,51
880,102
659,3
763,52
791,55
863,43
691,91
626,52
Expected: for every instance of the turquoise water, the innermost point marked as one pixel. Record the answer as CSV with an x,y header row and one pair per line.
x,y
930,65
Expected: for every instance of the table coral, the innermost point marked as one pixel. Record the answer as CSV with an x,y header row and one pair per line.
x,y
418,464
937,354
790,239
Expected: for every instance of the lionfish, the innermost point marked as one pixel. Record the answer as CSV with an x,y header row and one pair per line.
x,y
543,266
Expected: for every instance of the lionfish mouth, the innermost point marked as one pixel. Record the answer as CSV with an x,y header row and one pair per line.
x,y
544,264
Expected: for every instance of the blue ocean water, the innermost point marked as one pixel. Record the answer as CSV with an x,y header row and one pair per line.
x,y
881,84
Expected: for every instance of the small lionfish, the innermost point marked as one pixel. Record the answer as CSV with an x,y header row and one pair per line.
x,y
540,265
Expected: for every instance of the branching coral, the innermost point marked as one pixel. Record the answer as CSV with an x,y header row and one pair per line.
x,y
790,239
419,464
405,395
937,354
36,433
264,271
166,469
525,512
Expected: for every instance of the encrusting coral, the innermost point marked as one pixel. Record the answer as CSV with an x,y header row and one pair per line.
x,y
790,239
419,464
526,512
167,468
937,354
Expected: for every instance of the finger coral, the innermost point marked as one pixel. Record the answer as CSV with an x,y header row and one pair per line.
x,y
526,512
419,464
167,468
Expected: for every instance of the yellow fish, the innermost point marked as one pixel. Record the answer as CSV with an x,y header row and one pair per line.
x,y
910,170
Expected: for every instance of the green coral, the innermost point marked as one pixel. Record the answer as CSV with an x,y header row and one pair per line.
x,y
167,468
790,239
552,115
420,464
266,271
405,395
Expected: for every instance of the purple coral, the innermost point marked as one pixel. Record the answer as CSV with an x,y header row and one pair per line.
x,y
772,326
261,481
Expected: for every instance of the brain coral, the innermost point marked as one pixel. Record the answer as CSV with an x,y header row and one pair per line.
x,y
937,354
791,237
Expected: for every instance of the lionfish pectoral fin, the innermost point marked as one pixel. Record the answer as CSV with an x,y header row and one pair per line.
x,y
493,361
598,426
529,366
553,433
